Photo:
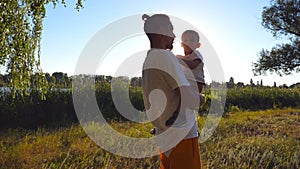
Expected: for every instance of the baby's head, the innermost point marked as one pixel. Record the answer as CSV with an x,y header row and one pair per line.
x,y
190,41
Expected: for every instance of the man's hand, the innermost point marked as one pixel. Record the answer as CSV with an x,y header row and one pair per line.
x,y
189,98
191,56
202,100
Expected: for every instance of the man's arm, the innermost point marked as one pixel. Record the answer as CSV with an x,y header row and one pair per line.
x,y
189,98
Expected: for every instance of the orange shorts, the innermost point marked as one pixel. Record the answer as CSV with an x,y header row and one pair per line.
x,y
185,155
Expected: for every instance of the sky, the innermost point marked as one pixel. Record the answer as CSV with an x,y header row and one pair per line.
x,y
232,27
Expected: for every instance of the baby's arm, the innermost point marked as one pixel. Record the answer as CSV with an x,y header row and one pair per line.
x,y
189,57
192,64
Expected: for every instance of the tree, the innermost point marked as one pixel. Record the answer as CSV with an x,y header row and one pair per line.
x,y
282,18
251,82
296,85
58,77
50,79
230,84
240,84
99,78
231,80
108,79
21,24
136,81
1,80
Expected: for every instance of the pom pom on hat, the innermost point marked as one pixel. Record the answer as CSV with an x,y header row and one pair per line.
x,y
145,17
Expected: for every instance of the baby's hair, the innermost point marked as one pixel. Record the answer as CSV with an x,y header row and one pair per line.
x,y
191,32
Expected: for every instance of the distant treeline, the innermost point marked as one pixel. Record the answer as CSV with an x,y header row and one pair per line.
x,y
62,80
58,109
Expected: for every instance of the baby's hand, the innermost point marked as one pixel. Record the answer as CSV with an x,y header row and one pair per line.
x,y
181,57
191,56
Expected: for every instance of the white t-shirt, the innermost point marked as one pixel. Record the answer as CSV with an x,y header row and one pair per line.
x,y
162,74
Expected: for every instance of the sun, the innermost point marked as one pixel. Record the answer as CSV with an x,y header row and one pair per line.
x,y
177,49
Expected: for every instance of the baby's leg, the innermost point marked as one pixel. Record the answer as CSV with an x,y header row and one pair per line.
x,y
202,97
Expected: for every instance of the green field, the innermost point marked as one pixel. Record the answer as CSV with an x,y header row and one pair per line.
x,y
261,139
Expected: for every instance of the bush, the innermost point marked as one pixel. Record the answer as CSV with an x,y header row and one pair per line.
x,y
262,98
58,109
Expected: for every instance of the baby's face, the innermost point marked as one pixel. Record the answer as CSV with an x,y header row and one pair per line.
x,y
189,42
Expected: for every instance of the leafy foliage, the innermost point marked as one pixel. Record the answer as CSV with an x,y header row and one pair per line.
x,y
282,18
282,59
21,25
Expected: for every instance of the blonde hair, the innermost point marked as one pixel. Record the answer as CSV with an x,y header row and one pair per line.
x,y
191,32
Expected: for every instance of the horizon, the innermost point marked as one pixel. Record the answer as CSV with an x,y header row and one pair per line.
x,y
256,83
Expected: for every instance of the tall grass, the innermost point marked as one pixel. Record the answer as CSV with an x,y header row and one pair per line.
x,y
259,139
32,112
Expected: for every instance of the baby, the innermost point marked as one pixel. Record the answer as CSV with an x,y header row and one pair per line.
x,y
193,60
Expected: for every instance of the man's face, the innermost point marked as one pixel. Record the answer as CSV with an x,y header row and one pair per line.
x,y
169,42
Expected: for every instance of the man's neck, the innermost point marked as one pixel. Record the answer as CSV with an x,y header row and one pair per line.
x,y
157,47
157,44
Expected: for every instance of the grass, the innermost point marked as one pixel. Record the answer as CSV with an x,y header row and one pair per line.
x,y
261,139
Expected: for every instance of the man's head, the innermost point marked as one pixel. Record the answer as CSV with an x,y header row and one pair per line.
x,y
159,30
190,41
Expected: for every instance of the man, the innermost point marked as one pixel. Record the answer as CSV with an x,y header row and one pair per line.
x,y
166,92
